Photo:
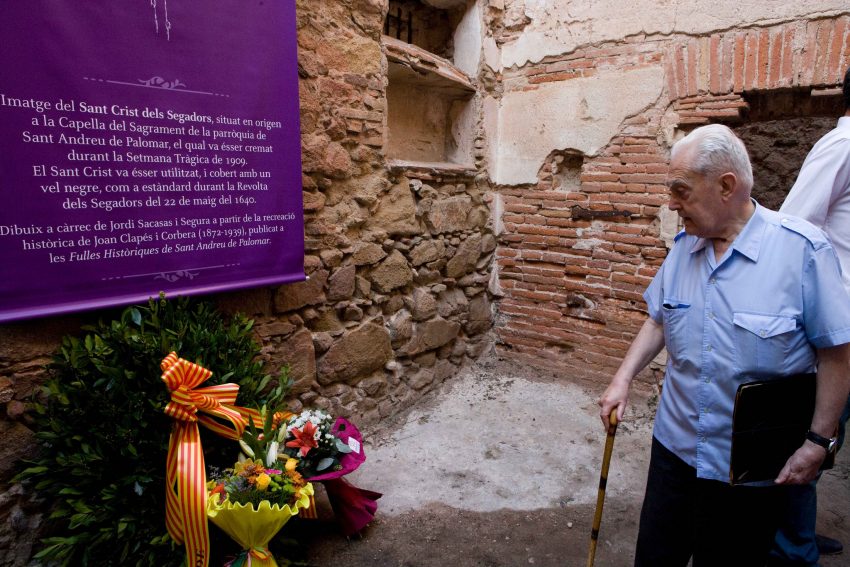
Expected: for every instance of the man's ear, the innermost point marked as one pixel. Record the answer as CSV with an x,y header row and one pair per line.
x,y
728,185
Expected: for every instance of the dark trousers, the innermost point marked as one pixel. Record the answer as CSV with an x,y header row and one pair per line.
x,y
716,523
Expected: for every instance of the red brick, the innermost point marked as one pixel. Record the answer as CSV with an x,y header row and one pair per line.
x,y
554,77
807,69
822,58
751,60
775,57
727,64
835,73
786,78
846,50
591,177
539,230
739,60
643,178
681,70
693,68
715,56
763,58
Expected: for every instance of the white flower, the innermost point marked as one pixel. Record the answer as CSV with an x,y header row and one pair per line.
x,y
271,455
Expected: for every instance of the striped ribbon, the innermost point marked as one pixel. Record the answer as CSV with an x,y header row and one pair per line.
x,y
186,479
309,513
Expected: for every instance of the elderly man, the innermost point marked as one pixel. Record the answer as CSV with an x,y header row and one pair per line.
x,y
744,294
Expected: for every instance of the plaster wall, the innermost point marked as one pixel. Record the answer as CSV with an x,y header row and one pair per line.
x,y
580,114
467,40
417,123
551,27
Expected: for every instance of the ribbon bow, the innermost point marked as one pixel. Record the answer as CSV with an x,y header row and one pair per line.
x,y
186,479
244,557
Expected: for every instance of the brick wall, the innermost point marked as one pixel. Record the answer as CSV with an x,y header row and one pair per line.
x,y
575,258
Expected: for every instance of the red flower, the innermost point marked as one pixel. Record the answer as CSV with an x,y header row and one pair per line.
x,y
219,489
304,439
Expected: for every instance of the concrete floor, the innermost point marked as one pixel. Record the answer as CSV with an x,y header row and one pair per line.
x,y
500,468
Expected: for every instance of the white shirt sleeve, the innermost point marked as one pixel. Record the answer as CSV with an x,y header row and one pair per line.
x,y
822,180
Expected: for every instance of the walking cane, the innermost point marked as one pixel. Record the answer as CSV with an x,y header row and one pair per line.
x,y
603,480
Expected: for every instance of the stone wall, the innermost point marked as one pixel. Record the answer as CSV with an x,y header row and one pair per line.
x,y
397,260
580,122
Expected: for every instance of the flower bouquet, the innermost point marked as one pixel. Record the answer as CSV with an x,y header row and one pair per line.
x,y
327,450
251,503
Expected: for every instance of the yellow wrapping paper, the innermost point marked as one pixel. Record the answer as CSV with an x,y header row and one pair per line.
x,y
253,529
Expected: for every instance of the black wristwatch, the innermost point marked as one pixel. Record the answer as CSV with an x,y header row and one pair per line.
x,y
827,443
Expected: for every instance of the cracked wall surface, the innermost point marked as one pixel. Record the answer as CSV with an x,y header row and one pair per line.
x,y
545,28
579,114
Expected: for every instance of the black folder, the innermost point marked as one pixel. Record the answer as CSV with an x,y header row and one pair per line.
x,y
769,423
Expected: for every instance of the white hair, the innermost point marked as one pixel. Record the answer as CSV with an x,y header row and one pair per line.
x,y
717,150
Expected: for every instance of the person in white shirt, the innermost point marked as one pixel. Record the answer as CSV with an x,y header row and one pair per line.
x,y
821,195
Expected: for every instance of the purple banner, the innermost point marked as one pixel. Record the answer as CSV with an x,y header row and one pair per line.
x,y
146,146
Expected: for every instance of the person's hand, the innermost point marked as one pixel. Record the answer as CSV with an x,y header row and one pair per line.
x,y
802,467
615,396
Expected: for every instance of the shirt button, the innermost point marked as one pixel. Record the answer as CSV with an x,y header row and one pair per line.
x,y
763,333
708,348
711,314
707,380
712,281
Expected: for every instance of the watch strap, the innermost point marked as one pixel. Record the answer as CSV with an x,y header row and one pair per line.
x,y
824,442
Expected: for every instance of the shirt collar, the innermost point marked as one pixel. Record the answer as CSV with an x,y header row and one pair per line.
x,y
844,122
748,241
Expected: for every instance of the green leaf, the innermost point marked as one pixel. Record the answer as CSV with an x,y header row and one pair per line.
x,y
340,446
325,463
136,316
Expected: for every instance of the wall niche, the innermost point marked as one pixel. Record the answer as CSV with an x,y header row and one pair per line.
x,y
431,102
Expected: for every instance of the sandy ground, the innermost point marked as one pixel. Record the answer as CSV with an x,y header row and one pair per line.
x,y
500,468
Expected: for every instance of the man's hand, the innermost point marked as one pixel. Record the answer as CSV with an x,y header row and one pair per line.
x,y
615,396
802,467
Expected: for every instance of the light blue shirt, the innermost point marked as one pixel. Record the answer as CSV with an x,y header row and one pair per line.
x,y
761,311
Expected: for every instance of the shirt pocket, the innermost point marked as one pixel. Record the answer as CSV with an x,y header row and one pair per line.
x,y
674,315
763,341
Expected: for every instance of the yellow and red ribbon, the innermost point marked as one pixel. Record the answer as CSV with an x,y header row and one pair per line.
x,y
186,479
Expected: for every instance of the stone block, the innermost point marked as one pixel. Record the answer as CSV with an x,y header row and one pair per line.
x,y
367,253
452,302
341,283
298,352
400,327
421,304
394,272
427,251
358,353
294,296
448,215
326,321
18,443
373,385
396,213
432,334
443,370
423,378
480,316
331,257
465,257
